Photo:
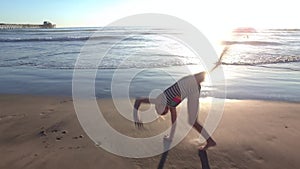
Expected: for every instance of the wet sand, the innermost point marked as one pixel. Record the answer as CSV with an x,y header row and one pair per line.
x,y
44,132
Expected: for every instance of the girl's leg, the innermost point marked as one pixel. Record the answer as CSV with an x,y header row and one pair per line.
x,y
204,133
137,104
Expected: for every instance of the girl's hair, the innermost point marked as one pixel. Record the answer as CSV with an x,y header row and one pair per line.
x,y
200,76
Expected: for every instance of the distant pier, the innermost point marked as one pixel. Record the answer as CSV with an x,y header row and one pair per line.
x,y
45,25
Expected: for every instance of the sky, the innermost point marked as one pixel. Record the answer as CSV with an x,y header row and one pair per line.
x,y
205,14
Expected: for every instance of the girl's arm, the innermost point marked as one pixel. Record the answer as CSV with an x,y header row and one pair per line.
x,y
137,104
173,119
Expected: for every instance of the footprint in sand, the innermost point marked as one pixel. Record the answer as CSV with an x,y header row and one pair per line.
x,y
62,102
252,155
46,114
13,116
271,138
74,147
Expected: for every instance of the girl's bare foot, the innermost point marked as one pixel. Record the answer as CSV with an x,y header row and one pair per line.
x,y
210,143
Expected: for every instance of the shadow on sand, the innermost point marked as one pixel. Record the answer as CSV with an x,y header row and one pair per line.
x,y
201,153
164,156
204,159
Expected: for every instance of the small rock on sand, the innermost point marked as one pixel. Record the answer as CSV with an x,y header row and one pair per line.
x,y
58,138
43,133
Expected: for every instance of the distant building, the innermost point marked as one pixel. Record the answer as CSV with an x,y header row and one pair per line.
x,y
48,25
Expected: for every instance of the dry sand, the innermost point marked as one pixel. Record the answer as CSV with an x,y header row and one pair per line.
x,y
43,132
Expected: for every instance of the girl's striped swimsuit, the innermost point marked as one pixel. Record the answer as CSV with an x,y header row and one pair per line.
x,y
180,90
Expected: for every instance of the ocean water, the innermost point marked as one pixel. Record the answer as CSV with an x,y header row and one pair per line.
x,y
263,65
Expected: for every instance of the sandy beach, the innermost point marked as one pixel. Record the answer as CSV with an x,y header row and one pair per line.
x,y
44,132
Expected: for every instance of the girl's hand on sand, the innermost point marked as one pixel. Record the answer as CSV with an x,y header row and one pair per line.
x,y
137,121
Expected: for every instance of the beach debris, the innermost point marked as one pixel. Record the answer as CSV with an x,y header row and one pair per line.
x,y
54,131
77,137
59,138
64,132
42,133
47,145
42,113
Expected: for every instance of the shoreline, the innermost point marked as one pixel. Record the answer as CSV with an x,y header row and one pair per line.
x,y
251,134
57,96
246,83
